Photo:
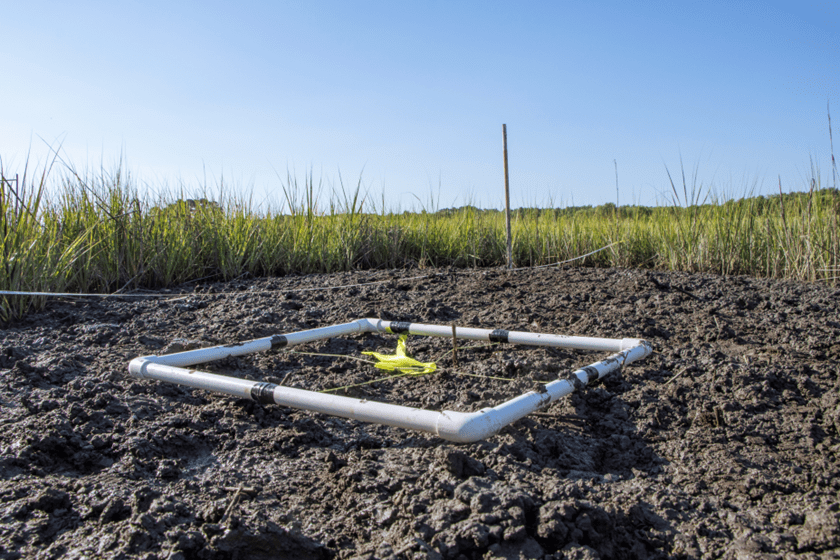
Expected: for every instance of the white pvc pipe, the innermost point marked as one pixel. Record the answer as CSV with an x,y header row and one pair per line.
x,y
500,335
450,425
204,355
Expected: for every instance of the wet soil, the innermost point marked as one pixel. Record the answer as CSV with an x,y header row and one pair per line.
x,y
723,443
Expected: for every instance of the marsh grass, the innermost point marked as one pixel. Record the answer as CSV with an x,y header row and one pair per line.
x,y
100,232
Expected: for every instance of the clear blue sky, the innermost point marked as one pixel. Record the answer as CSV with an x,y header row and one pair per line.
x,y
412,95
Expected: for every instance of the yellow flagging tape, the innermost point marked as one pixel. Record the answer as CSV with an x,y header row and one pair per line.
x,y
401,361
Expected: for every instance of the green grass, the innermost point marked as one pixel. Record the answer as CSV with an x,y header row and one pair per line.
x,y
102,233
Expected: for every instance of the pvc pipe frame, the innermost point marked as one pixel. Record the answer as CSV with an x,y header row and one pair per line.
x,y
461,427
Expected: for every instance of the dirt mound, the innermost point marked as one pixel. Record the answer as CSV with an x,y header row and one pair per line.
x,y
723,443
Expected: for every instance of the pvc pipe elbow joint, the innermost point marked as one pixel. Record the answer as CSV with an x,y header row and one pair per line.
x,y
467,427
368,325
628,343
135,366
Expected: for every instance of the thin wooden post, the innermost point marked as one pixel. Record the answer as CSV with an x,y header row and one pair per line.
x,y
454,347
616,183
831,142
507,201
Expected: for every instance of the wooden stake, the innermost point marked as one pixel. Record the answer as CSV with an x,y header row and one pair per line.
x,y
454,347
616,184
507,201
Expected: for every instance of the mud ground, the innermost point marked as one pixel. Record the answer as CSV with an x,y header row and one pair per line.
x,y
722,444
